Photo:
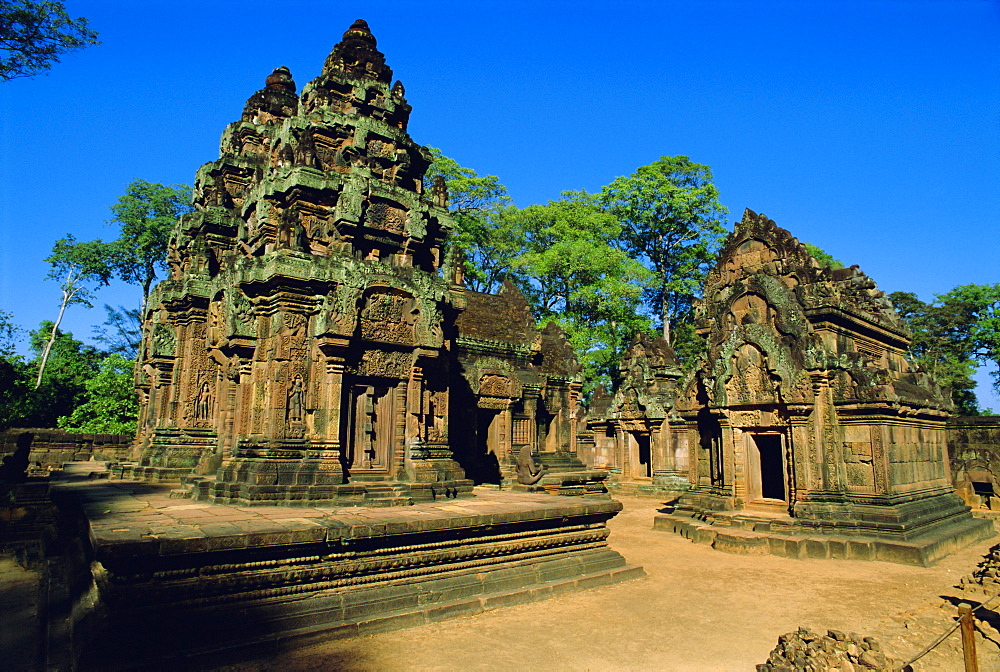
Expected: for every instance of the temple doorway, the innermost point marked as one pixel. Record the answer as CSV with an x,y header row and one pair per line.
x,y
641,455
370,433
486,465
767,468
547,438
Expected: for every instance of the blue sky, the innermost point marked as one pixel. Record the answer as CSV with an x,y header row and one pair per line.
x,y
871,129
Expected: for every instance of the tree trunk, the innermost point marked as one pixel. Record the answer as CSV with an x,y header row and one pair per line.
x,y
665,312
52,338
147,285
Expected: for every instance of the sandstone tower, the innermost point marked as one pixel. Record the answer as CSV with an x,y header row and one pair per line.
x,y
301,340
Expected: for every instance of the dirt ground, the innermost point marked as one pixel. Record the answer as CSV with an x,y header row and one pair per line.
x,y
698,609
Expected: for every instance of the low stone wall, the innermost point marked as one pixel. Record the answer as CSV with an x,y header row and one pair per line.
x,y
54,447
974,451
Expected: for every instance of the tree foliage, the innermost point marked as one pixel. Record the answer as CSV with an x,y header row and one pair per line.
x,y
825,259
486,224
71,363
77,265
672,221
121,332
33,36
78,376
146,214
15,379
954,334
977,309
590,262
111,406
572,273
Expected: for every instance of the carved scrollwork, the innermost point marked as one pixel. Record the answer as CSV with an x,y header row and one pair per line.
x,y
494,385
389,317
386,217
164,340
387,364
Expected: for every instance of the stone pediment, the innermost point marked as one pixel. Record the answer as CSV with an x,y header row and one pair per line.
x,y
768,294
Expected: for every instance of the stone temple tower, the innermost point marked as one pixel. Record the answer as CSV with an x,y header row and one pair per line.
x,y
299,349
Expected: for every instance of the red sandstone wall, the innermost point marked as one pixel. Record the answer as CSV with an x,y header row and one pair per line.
x,y
56,446
974,450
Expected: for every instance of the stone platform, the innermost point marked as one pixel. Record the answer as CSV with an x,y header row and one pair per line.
x,y
178,579
753,533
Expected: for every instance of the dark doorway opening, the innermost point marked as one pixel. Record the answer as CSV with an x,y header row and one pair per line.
x,y
544,427
772,472
984,489
645,455
710,440
486,466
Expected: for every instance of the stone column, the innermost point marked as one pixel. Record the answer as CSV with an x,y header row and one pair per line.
x,y
880,458
415,422
574,405
531,409
505,432
738,476
328,419
798,453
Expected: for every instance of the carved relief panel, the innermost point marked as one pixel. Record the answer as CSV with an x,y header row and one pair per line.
x,y
389,316
494,385
751,381
386,217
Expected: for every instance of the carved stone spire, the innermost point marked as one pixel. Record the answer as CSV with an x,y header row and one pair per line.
x,y
276,101
357,57
281,79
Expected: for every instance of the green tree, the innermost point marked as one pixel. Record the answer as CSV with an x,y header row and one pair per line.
x,y
976,309
10,335
940,346
121,332
486,225
33,35
111,406
71,363
574,275
15,377
825,259
146,214
673,222
76,264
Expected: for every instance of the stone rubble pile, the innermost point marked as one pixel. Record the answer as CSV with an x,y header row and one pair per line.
x,y
812,652
985,578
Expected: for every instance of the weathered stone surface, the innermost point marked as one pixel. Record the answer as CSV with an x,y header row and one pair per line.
x,y
630,432
180,577
974,453
48,448
519,387
312,345
805,419
807,650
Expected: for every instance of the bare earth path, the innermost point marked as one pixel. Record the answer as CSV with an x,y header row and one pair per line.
x,y
698,609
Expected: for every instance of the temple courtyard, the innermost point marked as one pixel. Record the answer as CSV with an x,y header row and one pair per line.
x,y
697,609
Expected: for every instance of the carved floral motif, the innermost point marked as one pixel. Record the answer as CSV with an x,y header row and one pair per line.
x,y
389,317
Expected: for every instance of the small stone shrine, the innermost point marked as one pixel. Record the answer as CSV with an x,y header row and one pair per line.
x,y
519,386
635,430
808,432
310,345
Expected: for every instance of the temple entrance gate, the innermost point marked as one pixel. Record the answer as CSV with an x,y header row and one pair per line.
x,y
371,430
640,455
767,467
